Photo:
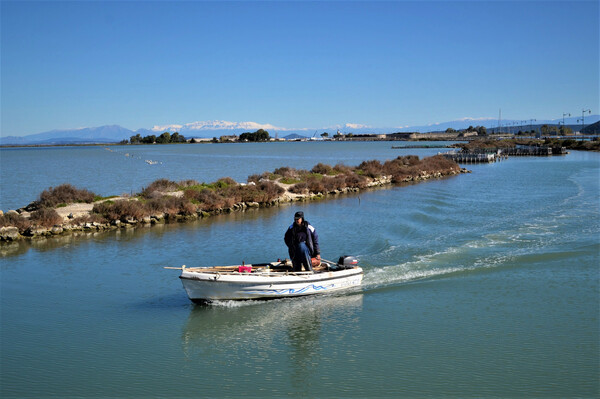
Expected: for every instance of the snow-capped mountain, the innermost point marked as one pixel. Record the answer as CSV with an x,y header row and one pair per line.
x,y
216,128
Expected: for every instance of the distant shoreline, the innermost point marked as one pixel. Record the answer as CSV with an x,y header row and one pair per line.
x,y
58,145
345,140
210,142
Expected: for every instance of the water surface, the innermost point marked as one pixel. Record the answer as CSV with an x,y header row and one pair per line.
x,y
115,170
480,285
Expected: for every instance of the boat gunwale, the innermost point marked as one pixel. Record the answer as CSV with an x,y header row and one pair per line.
x,y
211,277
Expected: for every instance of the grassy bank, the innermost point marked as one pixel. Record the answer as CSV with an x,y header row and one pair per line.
x,y
166,200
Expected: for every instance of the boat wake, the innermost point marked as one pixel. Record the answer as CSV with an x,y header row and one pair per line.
x,y
427,267
490,251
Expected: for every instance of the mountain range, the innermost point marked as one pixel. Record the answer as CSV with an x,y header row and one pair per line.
x,y
115,133
88,135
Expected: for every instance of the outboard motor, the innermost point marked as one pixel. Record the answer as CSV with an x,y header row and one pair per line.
x,y
347,262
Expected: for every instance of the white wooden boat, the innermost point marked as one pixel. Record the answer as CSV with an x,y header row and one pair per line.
x,y
268,280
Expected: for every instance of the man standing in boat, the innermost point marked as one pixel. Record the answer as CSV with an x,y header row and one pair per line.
x,y
303,243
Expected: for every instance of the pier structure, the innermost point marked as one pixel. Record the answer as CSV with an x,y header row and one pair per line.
x,y
528,151
473,157
486,155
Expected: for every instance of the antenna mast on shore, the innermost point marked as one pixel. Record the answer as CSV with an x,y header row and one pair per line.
x,y
582,120
499,120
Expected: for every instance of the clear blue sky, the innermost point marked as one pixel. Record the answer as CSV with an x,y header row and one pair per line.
x,y
294,65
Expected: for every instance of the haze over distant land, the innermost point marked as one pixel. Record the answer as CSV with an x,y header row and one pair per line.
x,y
292,67
114,133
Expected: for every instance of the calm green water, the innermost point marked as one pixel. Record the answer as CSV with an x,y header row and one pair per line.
x,y
480,285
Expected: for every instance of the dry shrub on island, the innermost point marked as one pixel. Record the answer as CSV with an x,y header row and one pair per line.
x,y
299,188
415,167
261,192
224,182
286,172
124,210
306,187
400,165
439,163
171,206
315,184
287,175
120,210
264,176
64,194
155,206
192,195
400,169
206,199
341,168
45,217
354,180
338,182
188,183
328,184
225,192
91,218
12,220
160,186
322,169
270,190
372,168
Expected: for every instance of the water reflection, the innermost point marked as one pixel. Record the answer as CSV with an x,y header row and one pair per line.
x,y
304,332
287,343
131,235
295,323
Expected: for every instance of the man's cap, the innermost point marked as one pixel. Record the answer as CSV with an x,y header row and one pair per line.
x,y
299,215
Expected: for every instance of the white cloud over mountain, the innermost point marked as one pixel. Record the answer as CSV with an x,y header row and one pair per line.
x,y
220,125
217,125
356,126
466,119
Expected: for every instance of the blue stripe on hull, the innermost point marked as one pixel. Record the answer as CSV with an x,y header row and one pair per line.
x,y
291,291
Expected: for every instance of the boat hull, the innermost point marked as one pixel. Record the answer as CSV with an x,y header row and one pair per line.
x,y
206,287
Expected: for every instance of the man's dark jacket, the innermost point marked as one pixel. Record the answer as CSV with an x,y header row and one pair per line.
x,y
312,239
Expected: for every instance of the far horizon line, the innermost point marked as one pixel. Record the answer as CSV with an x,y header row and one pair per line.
x,y
223,125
